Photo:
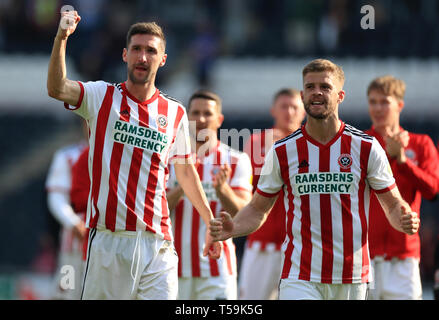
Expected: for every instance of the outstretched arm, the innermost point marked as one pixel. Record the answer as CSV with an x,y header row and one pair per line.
x,y
58,86
246,221
398,212
189,181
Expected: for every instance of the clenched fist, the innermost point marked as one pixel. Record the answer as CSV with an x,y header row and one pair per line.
x,y
68,23
221,228
409,221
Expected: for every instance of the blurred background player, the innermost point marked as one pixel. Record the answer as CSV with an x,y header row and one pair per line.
x,y
80,190
415,165
263,247
226,178
327,168
73,231
127,213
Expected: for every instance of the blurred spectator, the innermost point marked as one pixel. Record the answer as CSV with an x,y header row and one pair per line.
x,y
204,50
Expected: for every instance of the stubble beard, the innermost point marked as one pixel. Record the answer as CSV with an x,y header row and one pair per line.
x,y
136,80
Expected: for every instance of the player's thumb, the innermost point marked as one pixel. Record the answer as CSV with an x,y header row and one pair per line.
x,y
404,211
206,250
225,216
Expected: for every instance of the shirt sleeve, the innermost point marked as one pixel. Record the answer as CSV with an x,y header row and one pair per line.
x,y
58,185
59,175
379,173
181,147
90,100
270,180
242,177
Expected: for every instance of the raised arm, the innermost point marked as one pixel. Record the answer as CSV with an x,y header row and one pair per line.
x,y
58,86
398,212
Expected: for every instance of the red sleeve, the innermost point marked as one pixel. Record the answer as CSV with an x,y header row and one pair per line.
x,y
425,174
80,183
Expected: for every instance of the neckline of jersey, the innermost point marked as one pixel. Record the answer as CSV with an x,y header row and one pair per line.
x,y
144,103
321,145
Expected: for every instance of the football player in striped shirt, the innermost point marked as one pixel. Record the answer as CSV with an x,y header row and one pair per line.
x,y
226,178
326,170
415,165
263,247
135,130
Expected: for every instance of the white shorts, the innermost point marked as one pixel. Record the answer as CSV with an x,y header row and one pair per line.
x,y
290,289
254,285
207,288
395,279
130,265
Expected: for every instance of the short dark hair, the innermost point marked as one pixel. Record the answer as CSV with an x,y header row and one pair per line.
x,y
286,92
150,28
207,95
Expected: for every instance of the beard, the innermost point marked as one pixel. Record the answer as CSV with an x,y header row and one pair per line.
x,y
324,114
139,80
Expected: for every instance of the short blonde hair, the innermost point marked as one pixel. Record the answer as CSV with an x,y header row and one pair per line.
x,y
323,65
150,28
389,86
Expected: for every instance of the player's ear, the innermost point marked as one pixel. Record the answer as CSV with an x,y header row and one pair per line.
x,y
124,54
341,95
220,119
162,63
401,105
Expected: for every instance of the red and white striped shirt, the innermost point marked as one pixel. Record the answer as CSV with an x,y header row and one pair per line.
x,y
190,231
327,192
131,142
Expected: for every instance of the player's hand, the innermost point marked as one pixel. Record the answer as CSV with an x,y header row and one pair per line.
x,y
211,248
221,228
79,230
68,23
409,221
221,177
396,144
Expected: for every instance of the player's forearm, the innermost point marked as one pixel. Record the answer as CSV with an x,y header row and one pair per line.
x,y
189,181
394,215
173,196
230,202
248,220
60,208
57,74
